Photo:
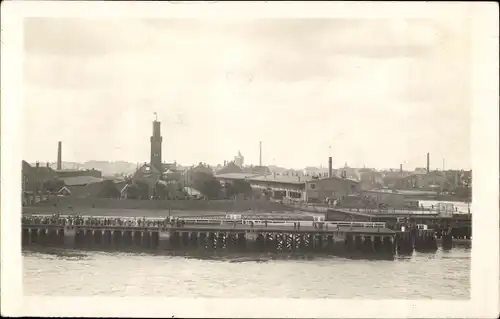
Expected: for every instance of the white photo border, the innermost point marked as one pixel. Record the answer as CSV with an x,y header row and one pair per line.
x,y
484,302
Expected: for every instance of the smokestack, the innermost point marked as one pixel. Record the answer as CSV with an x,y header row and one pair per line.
x,y
330,170
428,162
401,169
260,153
59,155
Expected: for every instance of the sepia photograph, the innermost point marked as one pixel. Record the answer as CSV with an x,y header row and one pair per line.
x,y
225,157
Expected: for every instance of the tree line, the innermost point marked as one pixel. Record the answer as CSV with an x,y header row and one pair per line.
x,y
206,184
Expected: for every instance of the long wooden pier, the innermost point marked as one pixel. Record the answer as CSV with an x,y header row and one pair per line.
x,y
363,239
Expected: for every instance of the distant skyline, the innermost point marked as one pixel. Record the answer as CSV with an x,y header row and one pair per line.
x,y
374,93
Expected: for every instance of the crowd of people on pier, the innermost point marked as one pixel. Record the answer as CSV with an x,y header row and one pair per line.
x,y
75,220
79,220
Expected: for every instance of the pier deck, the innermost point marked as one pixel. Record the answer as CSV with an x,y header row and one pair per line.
x,y
228,234
226,228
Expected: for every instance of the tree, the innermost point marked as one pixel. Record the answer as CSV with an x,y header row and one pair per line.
x,y
161,191
109,190
53,185
206,184
138,190
211,188
238,187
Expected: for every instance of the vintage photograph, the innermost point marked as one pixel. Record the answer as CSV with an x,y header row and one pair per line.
x,y
298,158
299,152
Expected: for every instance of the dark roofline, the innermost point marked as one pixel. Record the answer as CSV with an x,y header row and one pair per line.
x,y
75,170
381,192
333,177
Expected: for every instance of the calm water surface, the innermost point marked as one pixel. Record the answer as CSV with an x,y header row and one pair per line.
x,y
442,275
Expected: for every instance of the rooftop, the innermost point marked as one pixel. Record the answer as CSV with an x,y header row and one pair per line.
x,y
333,177
402,191
81,180
230,168
74,170
285,179
235,175
274,178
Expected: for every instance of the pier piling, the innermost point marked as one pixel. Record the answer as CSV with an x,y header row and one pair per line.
x,y
231,237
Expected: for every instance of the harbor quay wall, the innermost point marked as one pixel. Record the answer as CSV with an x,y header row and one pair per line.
x,y
75,203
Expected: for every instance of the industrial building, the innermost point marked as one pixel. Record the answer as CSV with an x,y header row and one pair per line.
x,y
321,190
297,188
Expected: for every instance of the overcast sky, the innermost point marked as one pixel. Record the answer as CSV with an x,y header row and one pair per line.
x,y
366,92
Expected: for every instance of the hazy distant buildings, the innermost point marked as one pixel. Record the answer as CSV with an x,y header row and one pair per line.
x,y
76,172
260,170
230,168
237,166
239,159
309,185
420,170
370,178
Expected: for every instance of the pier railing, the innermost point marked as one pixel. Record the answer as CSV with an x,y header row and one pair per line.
x,y
358,224
141,223
401,212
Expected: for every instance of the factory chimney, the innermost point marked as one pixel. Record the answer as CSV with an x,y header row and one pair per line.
x,y
428,163
330,171
59,156
401,169
260,153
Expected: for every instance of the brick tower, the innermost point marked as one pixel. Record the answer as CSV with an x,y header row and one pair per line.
x,y
156,140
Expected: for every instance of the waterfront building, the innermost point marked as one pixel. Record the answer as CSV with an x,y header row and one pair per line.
x,y
388,198
33,181
330,188
89,187
296,188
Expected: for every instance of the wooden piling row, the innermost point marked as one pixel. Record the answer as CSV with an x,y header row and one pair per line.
x,y
416,240
233,240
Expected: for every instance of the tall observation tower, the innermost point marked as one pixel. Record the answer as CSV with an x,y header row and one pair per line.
x,y
156,140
